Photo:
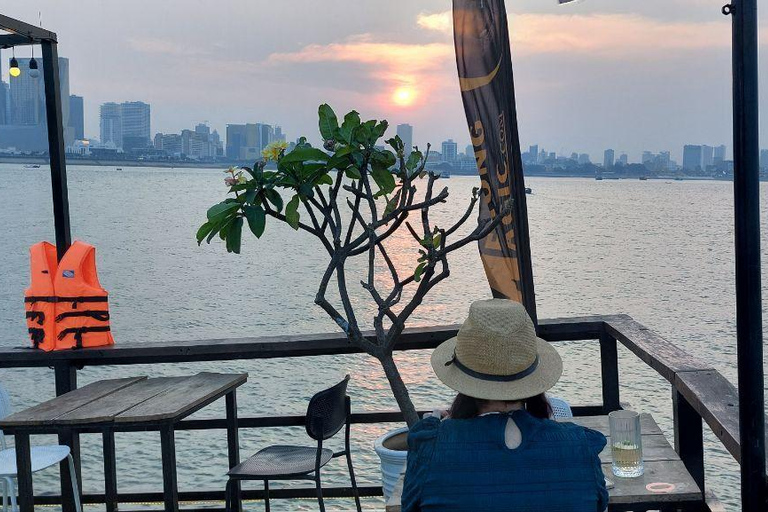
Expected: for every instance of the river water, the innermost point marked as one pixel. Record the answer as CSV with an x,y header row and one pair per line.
x,y
659,251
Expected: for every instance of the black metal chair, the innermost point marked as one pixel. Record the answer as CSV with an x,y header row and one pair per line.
x,y
328,412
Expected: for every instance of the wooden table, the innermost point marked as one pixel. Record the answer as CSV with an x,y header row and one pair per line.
x,y
662,465
152,404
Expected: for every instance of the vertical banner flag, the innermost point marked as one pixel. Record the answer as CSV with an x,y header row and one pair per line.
x,y
484,63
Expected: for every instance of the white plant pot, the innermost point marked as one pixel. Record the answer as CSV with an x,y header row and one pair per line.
x,y
393,452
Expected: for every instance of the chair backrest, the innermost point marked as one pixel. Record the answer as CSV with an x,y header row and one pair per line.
x,y
5,410
560,408
327,411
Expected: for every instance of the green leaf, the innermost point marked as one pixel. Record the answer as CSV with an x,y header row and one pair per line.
x,y
352,173
204,231
384,179
437,239
380,129
397,143
304,154
274,197
392,203
249,196
292,212
414,159
329,124
235,235
222,209
419,271
257,219
351,121
324,179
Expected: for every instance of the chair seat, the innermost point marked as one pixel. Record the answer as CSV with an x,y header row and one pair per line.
x,y
42,457
281,460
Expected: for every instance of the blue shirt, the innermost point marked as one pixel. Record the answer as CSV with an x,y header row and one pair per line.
x,y
465,465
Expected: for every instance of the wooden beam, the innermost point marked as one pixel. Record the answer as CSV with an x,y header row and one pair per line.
x,y
18,27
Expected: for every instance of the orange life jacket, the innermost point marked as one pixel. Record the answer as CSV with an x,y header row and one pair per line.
x,y
66,306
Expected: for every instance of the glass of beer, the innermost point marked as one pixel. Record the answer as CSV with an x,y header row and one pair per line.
x,y
626,444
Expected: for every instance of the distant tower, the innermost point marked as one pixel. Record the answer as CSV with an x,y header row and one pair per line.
x,y
450,150
764,159
279,136
707,156
405,132
692,157
623,159
608,156
3,103
584,159
719,156
111,124
136,125
76,117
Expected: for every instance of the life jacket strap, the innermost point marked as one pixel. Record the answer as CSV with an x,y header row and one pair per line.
x,y
101,316
37,336
79,331
74,300
36,316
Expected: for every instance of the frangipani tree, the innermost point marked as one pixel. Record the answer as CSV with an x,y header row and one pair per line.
x,y
352,196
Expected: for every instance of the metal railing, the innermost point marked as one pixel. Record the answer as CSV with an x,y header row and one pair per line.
x,y
699,392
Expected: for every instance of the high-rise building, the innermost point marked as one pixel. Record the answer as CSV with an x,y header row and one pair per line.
x,y
3,102
25,109
719,156
583,159
450,150
608,157
76,117
405,132
111,124
279,136
647,157
692,157
764,159
707,156
136,125
203,129
533,151
623,159
469,150
235,140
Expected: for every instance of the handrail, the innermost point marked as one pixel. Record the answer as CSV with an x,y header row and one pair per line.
x,y
699,391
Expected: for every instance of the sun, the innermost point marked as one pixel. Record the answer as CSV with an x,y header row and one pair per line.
x,y
404,96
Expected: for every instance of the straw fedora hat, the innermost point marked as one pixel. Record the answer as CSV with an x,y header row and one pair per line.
x,y
496,354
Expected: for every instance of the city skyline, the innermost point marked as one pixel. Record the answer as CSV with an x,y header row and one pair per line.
x,y
673,58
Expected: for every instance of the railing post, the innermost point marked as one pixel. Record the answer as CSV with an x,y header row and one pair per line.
x,y
66,381
609,367
689,437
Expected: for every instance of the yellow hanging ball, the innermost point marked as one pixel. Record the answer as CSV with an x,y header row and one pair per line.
x,y
14,72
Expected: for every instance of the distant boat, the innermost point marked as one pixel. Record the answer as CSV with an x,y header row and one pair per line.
x,y
643,178
679,178
32,166
445,174
528,190
599,178
119,168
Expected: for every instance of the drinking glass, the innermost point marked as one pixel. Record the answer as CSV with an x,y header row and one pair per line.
x,y
626,444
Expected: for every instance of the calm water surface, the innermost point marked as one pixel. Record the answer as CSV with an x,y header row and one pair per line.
x,y
658,251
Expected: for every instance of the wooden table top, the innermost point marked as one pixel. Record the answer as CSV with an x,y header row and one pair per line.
x,y
662,465
129,400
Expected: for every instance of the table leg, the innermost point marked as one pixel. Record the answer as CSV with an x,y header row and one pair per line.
x,y
233,446
110,470
66,381
24,473
170,483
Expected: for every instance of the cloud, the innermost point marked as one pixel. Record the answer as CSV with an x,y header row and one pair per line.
x,y
600,35
160,46
390,64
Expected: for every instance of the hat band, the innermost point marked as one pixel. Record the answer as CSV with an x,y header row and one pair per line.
x,y
491,377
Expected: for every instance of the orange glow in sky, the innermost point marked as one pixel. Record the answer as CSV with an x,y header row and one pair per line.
x,y
404,96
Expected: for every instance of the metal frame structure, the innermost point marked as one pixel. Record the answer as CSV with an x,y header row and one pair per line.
x,y
747,230
24,34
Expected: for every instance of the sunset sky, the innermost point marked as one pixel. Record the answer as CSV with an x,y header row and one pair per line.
x,y
625,74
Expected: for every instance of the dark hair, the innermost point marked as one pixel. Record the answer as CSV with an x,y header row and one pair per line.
x,y
465,407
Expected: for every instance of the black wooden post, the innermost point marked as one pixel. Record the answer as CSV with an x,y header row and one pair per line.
x,y
170,482
746,186
56,146
233,447
24,472
689,437
609,367
66,381
110,470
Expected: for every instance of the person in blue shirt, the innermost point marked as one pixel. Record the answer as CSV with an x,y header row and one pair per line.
x,y
497,449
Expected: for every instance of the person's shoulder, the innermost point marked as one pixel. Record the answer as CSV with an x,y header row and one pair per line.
x,y
424,431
